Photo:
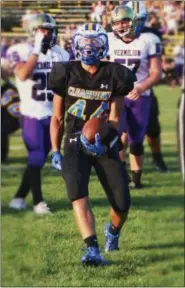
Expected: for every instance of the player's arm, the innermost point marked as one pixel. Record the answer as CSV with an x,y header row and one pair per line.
x,y
154,76
116,110
150,81
57,83
98,149
57,123
24,70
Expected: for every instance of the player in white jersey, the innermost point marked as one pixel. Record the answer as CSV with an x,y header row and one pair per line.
x,y
32,62
153,132
128,47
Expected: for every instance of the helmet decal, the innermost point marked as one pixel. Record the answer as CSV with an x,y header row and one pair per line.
x,y
90,43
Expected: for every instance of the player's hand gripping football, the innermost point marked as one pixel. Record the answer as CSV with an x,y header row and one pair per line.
x,y
56,161
97,149
39,36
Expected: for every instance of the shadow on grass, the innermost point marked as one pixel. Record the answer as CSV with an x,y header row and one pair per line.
x,y
55,206
18,213
148,203
60,205
152,203
162,245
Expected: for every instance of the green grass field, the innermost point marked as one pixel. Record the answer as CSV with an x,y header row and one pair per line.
x,y
46,250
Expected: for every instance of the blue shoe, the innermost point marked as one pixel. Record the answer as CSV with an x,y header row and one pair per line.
x,y
93,257
111,241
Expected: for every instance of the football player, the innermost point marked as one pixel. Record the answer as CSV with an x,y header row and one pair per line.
x,y
85,89
153,129
134,51
9,112
32,62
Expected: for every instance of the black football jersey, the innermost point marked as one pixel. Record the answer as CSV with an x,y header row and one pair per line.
x,y
87,95
9,108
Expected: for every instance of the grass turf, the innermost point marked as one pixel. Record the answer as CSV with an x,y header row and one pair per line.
x,y
46,250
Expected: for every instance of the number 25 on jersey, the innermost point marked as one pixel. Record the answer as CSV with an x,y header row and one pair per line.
x,y
39,90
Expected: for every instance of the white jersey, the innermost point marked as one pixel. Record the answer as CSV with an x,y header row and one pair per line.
x,y
36,99
136,54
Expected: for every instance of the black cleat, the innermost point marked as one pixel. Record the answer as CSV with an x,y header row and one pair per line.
x,y
161,166
134,185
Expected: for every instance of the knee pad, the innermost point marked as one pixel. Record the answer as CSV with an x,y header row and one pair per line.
x,y
37,159
137,149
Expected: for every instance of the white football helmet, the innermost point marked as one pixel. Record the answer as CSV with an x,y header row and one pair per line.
x,y
90,43
45,21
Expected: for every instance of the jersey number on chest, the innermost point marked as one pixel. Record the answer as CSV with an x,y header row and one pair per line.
x,y
39,90
132,63
79,107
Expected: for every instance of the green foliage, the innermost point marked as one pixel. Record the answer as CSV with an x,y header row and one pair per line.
x,y
9,19
45,251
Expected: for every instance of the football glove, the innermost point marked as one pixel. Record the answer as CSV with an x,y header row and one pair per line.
x,y
56,161
39,36
97,149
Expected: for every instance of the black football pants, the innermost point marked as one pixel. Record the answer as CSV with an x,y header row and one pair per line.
x,y
109,169
153,128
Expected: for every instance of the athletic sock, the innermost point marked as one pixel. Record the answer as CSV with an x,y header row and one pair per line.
x,y
35,184
136,176
91,241
114,230
124,164
24,187
157,156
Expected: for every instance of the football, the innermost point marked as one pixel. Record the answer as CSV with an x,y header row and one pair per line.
x,y
94,126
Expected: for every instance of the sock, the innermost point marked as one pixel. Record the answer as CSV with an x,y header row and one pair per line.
x,y
35,184
136,176
124,164
24,187
114,230
91,241
157,156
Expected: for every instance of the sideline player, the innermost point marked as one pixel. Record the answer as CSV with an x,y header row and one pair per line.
x,y
32,62
9,112
153,131
143,58
85,89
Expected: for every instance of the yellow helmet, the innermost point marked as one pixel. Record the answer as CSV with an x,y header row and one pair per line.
x,y
121,13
